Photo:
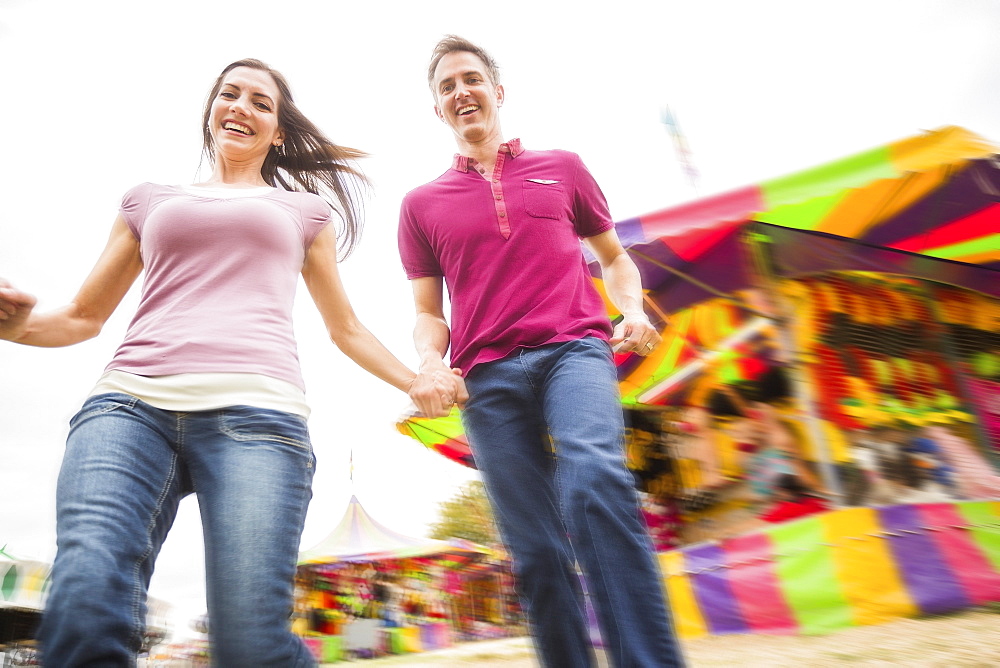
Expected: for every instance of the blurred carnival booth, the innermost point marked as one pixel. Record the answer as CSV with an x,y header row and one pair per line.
x,y
831,352
367,590
24,588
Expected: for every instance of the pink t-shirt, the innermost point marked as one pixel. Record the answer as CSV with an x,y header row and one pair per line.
x,y
509,251
220,279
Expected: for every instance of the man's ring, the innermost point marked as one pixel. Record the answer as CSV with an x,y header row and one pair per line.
x,y
649,346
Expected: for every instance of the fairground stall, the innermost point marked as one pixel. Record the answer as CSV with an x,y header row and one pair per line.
x,y
366,590
824,405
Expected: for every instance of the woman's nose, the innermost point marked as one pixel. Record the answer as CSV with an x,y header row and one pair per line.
x,y
238,106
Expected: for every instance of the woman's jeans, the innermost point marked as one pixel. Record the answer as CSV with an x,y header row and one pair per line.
x,y
126,468
571,501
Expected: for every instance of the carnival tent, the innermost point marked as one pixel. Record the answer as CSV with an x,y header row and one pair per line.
x,y
23,589
925,207
23,582
358,537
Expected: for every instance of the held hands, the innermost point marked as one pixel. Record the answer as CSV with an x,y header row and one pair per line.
x,y
15,307
436,389
635,334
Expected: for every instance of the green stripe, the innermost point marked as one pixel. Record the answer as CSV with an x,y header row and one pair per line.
x,y
984,527
824,180
971,247
807,215
808,577
9,583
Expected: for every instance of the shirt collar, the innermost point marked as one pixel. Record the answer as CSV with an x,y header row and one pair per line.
x,y
462,163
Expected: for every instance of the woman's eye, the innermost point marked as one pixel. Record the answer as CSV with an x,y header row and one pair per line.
x,y
226,94
262,106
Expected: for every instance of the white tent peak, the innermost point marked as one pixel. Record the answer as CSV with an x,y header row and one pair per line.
x,y
359,537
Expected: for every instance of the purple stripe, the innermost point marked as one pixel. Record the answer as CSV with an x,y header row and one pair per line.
x,y
928,577
715,596
630,232
722,267
965,192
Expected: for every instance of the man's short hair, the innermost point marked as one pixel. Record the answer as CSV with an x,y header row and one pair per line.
x,y
451,43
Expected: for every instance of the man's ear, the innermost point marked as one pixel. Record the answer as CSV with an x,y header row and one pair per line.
x,y
437,112
500,95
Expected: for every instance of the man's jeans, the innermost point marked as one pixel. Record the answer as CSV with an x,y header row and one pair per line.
x,y
127,466
578,505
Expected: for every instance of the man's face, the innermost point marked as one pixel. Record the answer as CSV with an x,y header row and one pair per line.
x,y
466,99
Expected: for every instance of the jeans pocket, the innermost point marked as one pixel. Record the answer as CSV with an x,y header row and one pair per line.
x,y
101,404
246,423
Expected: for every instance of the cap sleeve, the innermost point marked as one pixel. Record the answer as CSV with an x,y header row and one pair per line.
x,y
135,204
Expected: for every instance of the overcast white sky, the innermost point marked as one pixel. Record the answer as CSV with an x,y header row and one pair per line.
x,y
103,95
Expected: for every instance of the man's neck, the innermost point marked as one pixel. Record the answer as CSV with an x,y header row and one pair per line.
x,y
485,153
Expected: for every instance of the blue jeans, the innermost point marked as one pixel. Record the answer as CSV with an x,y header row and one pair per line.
x,y
126,468
571,501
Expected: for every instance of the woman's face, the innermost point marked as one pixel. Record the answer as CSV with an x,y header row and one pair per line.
x,y
244,116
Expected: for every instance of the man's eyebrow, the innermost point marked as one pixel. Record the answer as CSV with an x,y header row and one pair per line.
x,y
476,73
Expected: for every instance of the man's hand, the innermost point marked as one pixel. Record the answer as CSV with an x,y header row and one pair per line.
x,y
15,307
635,334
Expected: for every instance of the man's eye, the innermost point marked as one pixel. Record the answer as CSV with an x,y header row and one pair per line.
x,y
446,89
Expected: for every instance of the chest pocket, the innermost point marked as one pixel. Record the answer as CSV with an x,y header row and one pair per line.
x,y
544,199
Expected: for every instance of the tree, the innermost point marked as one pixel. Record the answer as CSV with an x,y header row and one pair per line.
x,y
467,515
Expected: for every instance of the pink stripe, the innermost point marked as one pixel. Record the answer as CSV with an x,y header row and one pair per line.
x,y
691,244
969,565
709,212
756,585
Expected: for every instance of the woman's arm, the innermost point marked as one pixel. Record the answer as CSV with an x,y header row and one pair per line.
x,y
83,318
353,338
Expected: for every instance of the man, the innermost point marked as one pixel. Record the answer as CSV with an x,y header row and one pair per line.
x,y
530,333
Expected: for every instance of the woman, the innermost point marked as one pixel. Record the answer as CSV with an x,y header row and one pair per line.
x,y
205,394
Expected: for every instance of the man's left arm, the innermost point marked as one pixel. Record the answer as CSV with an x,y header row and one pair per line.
x,y
624,287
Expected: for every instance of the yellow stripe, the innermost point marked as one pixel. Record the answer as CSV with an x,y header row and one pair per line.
x,y
688,621
865,566
949,144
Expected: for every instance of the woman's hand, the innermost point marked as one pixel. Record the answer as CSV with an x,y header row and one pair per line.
x,y
434,391
15,307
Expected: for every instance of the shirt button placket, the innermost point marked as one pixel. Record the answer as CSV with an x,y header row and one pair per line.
x,y
501,206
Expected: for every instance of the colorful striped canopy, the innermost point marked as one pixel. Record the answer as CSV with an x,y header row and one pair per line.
x,y
843,568
935,195
359,538
927,207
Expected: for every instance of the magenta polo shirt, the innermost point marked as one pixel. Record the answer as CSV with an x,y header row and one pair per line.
x,y
509,250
